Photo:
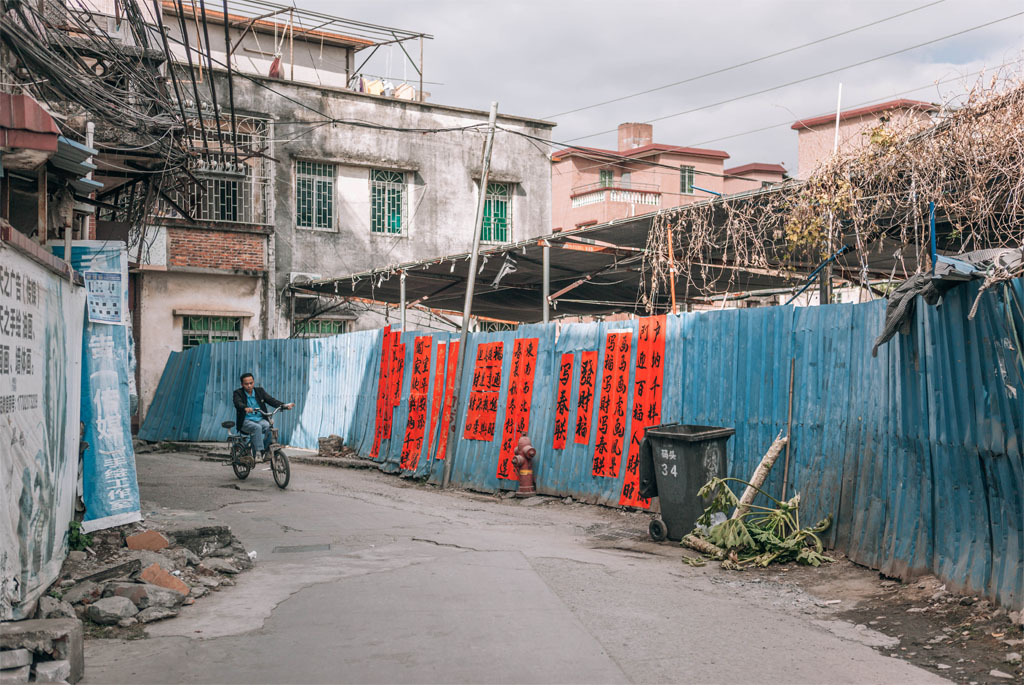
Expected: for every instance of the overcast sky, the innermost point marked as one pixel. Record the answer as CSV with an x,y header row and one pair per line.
x,y
539,59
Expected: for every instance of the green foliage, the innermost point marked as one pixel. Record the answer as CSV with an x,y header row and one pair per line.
x,y
77,540
761,535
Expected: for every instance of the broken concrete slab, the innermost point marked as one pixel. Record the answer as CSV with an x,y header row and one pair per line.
x,y
145,595
15,675
148,558
151,540
57,638
120,571
202,540
155,614
158,576
53,671
110,610
83,592
181,557
219,565
50,607
15,658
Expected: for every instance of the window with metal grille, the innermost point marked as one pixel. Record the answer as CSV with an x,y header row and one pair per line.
x,y
387,202
497,226
232,173
318,328
686,180
606,177
196,330
314,195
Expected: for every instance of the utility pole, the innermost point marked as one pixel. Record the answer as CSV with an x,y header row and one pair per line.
x,y
467,308
546,282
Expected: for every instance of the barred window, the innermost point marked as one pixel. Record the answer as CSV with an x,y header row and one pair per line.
x,y
314,195
318,328
606,178
197,330
387,202
686,180
497,213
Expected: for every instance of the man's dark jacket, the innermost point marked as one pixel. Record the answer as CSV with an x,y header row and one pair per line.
x,y
262,398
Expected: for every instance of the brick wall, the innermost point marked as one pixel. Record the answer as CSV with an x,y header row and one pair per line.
x,y
216,249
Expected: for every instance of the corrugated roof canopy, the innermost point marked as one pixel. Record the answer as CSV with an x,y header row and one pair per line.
x,y
595,271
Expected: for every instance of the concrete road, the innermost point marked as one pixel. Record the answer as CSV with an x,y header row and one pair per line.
x,y
366,578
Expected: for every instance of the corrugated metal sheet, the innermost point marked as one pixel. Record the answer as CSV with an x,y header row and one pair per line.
x,y
916,453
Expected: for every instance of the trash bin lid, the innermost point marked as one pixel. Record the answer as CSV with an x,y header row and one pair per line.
x,y
689,432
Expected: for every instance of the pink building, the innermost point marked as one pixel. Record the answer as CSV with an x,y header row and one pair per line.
x,y
817,135
592,186
752,176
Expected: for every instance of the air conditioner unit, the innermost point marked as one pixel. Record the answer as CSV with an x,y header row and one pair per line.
x,y
300,277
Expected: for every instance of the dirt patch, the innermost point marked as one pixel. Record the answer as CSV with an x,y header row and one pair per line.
x,y
958,637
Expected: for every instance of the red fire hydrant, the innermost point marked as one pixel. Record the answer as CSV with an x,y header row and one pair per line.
x,y
523,461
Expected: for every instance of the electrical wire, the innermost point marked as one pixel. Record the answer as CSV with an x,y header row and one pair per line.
x,y
739,65
815,76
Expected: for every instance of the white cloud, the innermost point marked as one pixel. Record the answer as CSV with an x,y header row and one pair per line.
x,y
539,58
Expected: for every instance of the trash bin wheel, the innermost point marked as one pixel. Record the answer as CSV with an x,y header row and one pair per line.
x,y
658,530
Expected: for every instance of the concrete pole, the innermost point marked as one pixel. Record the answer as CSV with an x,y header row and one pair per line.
x,y
467,308
401,298
546,288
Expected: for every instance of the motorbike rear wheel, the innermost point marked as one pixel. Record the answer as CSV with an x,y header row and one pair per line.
x,y
238,462
279,465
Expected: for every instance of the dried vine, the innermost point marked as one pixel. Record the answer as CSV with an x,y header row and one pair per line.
x,y
872,200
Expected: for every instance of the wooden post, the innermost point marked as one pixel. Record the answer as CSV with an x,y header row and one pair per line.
x,y
420,94
291,43
672,269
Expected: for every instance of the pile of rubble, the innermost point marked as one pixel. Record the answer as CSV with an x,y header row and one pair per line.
x,y
332,447
145,576
127,577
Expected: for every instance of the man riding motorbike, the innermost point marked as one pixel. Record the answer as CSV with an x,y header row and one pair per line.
x,y
248,400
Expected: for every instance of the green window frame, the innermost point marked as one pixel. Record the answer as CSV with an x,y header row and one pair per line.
x,y
319,328
607,178
686,180
314,195
387,202
497,225
198,330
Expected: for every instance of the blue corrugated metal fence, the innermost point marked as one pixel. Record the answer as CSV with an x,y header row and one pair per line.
x,y
916,453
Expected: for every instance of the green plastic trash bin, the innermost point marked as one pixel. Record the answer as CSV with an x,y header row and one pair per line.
x,y
676,460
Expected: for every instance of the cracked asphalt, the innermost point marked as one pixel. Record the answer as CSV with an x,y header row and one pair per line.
x,y
365,578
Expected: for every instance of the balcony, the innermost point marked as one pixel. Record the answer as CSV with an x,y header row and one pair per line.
x,y
627,193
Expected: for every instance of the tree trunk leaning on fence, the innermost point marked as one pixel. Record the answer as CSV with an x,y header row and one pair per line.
x,y
760,475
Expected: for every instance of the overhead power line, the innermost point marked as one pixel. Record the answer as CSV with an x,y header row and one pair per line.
x,y
723,70
815,76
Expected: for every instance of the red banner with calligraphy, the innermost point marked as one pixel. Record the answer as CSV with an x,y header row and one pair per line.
x,y
383,392
585,399
605,408
446,410
419,385
650,360
518,401
435,405
397,370
617,431
482,408
562,396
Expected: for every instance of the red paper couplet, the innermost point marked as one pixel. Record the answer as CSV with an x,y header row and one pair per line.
x,y
383,392
482,410
518,401
585,400
602,448
650,358
398,369
435,405
412,445
562,401
623,354
446,410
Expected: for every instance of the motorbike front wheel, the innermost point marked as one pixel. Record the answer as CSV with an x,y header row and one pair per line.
x,y
282,471
238,462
